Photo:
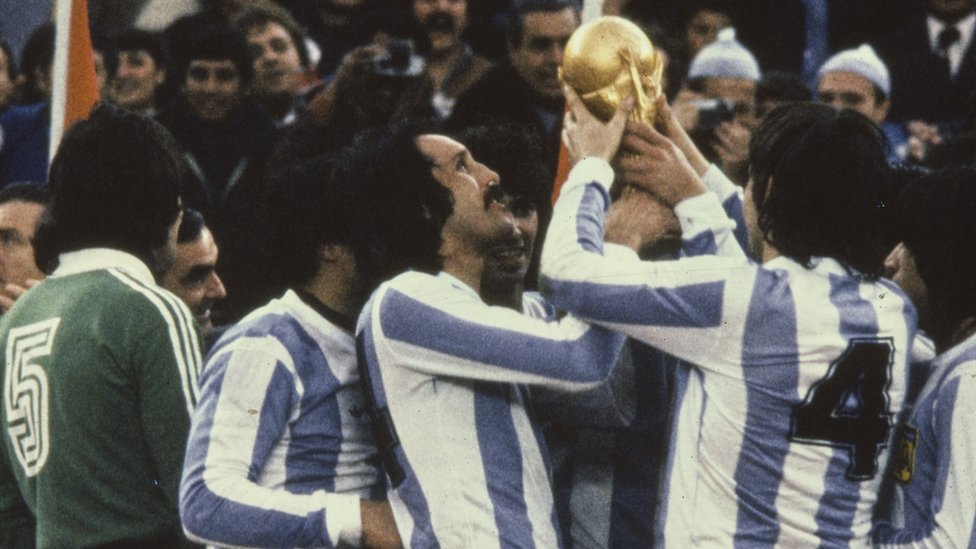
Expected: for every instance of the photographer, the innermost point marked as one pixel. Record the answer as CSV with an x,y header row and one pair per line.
x,y
717,103
375,84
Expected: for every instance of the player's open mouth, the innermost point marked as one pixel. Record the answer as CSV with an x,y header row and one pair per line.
x,y
512,256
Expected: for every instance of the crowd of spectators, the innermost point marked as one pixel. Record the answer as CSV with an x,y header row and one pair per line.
x,y
260,98
237,81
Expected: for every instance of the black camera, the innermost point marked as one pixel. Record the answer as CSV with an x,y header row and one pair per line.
x,y
712,112
399,60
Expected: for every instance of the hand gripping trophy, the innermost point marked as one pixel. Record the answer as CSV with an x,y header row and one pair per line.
x,y
609,59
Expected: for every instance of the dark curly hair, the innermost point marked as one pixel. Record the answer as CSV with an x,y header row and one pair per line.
x,y
410,207
261,15
937,225
378,196
818,185
521,8
115,184
216,43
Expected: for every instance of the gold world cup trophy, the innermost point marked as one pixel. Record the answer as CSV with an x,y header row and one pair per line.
x,y
609,59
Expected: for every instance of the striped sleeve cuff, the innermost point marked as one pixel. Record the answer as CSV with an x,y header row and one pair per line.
x,y
703,209
590,170
717,182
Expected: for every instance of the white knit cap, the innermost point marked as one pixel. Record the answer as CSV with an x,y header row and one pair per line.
x,y
862,61
724,58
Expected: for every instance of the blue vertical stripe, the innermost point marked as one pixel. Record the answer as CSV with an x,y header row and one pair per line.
x,y
838,505
925,494
589,218
275,411
641,449
524,398
816,42
682,375
770,363
501,456
972,537
409,490
910,316
562,486
733,209
700,244
942,440
320,420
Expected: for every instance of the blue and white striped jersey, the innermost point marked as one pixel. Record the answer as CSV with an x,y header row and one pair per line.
x,y
783,425
446,373
609,445
606,473
536,306
280,449
730,195
934,453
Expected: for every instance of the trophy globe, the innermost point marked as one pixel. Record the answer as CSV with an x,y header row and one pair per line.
x,y
609,59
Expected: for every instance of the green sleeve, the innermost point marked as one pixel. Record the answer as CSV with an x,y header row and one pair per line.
x,y
167,362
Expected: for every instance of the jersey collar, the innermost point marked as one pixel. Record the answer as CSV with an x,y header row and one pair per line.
x,y
823,265
957,352
92,259
330,314
457,283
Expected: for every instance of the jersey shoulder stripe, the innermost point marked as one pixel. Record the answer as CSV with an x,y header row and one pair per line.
x,y
448,335
180,330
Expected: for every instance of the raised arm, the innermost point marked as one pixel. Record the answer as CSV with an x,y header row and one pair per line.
x,y
729,194
662,303
424,324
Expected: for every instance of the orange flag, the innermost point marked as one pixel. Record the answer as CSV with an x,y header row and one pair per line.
x,y
591,10
562,169
74,88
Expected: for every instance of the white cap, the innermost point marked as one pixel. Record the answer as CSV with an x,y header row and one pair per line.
x,y
863,62
724,58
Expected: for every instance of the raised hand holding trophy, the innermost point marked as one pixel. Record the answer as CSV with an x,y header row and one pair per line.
x,y
609,59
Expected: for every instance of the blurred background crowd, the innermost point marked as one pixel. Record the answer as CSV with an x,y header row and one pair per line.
x,y
247,86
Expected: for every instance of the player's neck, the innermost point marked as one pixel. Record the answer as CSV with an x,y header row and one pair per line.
x,y
503,295
465,268
769,253
336,292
